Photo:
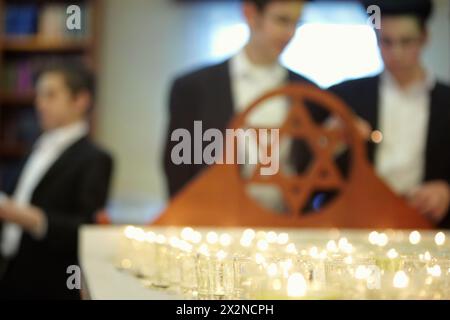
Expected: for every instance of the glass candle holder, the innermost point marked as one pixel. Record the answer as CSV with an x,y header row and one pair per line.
x,y
188,275
162,262
350,277
222,278
124,254
247,273
149,267
204,276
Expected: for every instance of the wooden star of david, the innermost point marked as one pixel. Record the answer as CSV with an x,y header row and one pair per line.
x,y
219,197
322,174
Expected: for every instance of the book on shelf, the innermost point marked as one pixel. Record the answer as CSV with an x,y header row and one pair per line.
x,y
20,127
18,76
47,21
21,19
52,21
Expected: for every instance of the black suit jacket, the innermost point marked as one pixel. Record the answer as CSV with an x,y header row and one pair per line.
x,y
204,95
362,96
70,193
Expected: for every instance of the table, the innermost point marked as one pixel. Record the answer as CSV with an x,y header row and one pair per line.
x,y
101,279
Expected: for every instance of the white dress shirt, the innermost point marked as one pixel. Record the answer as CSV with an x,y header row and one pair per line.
x,y
49,147
249,82
404,117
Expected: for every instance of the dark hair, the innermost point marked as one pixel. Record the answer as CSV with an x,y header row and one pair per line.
x,y
78,78
421,9
262,4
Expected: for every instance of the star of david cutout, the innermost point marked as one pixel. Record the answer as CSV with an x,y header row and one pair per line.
x,y
322,174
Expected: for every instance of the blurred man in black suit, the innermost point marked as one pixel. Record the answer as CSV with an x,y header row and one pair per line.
x,y
409,111
64,182
215,93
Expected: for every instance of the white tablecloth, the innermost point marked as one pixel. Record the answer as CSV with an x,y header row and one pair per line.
x,y
101,280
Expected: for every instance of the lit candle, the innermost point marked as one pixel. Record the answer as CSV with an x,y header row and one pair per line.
x,y
401,280
296,286
415,237
439,238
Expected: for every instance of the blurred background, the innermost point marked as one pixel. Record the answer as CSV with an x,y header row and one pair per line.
x,y
138,47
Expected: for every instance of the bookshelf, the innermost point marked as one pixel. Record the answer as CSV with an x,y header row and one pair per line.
x,y
33,33
35,44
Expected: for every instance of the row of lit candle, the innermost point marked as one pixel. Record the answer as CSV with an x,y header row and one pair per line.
x,y
252,264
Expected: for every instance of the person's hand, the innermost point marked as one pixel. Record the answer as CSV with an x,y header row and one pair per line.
x,y
431,199
30,218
